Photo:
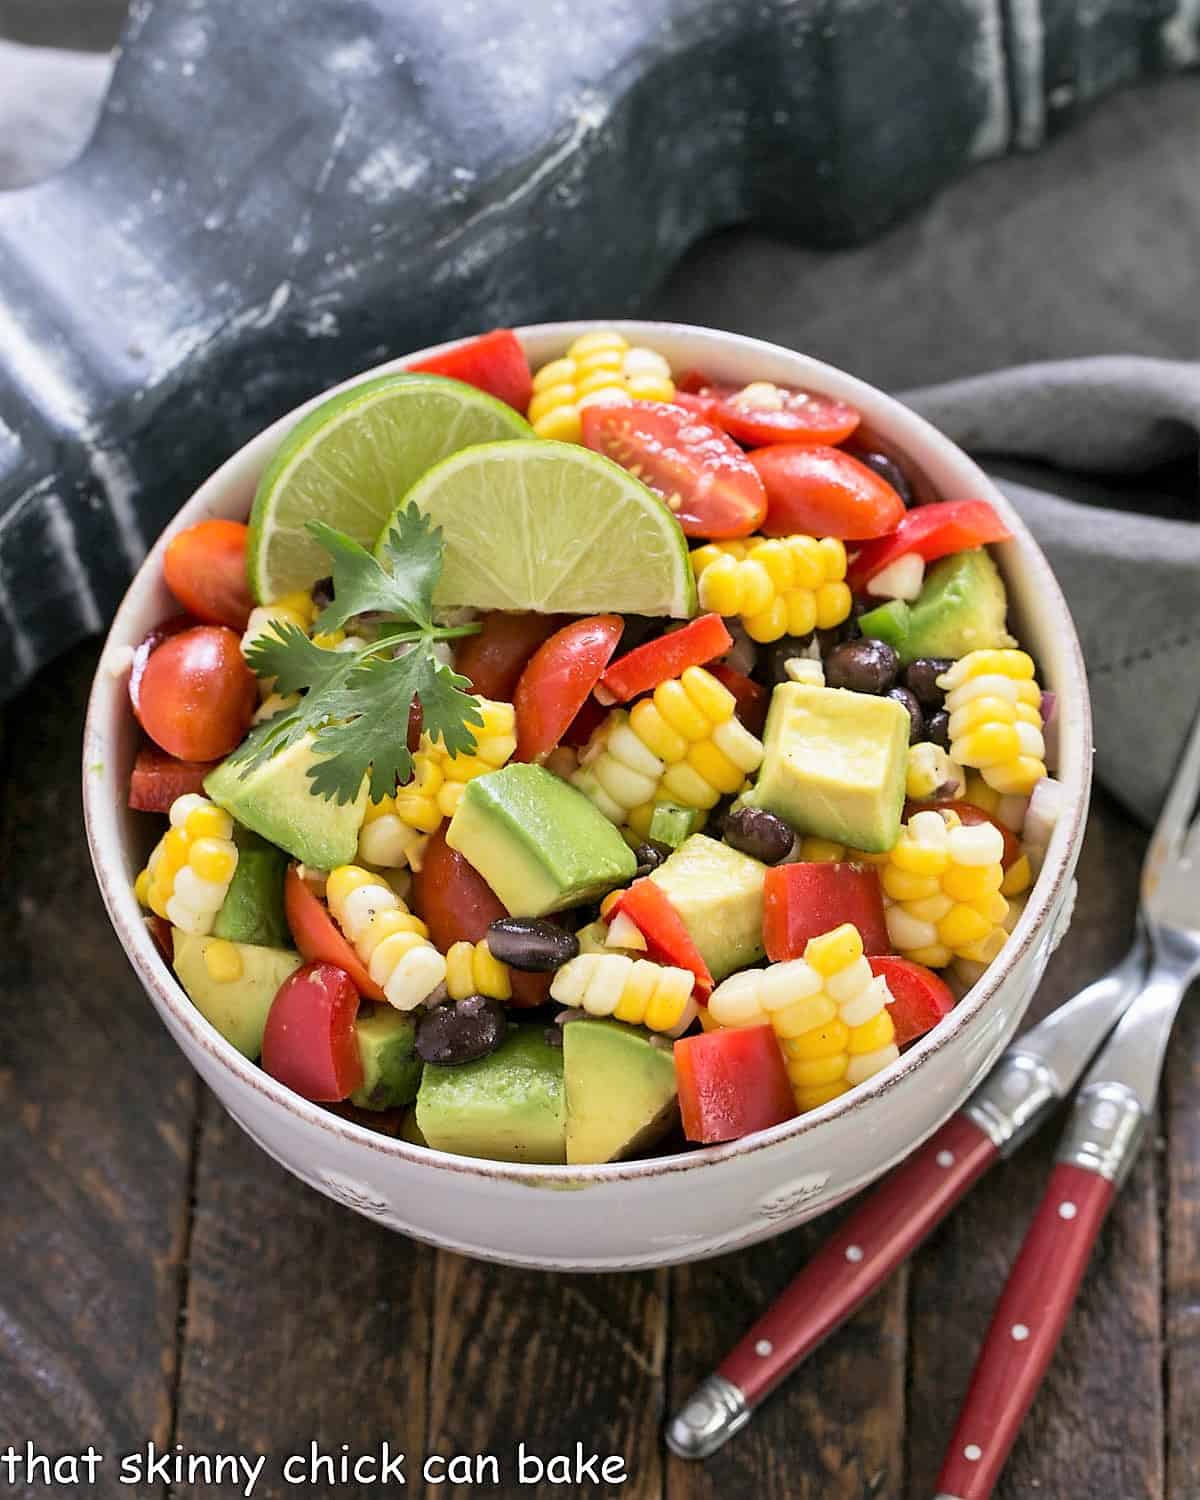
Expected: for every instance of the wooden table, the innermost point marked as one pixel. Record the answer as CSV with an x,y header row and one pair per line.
x,y
161,1279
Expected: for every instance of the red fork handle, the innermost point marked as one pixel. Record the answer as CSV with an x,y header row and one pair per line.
x,y
891,1222
1025,1329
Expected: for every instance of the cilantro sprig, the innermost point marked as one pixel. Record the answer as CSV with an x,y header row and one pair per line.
x,y
356,703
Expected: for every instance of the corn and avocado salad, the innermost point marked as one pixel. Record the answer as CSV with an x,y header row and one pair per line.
x,y
565,764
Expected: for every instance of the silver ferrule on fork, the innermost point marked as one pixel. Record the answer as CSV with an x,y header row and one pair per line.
x,y
1013,1099
1105,1131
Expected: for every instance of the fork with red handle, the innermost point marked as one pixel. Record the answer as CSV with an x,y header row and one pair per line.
x,y
1108,1120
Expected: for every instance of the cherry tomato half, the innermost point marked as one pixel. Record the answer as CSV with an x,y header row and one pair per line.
x,y
802,416
318,936
458,905
560,675
309,1042
205,568
143,652
824,492
197,695
702,475
493,660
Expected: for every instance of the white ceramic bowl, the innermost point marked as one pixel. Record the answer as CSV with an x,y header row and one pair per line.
x,y
645,1213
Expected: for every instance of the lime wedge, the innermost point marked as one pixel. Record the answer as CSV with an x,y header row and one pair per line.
x,y
555,528
349,462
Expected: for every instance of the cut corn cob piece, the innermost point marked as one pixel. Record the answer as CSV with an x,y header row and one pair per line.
x,y
385,839
682,745
787,585
189,871
599,367
994,705
472,970
436,786
942,888
932,773
827,1009
628,989
392,943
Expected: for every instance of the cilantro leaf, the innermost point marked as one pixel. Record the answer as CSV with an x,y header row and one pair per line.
x,y
401,587
355,703
368,721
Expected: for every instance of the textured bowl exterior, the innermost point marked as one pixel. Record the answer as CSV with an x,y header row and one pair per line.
x,y
672,1209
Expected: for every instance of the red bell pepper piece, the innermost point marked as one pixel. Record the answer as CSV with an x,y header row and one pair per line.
x,y
667,939
802,901
731,1082
919,997
158,778
931,531
657,661
752,698
458,905
969,814
319,938
495,362
309,1042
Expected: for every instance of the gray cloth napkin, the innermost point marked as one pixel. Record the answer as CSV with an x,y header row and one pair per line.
x,y
1100,456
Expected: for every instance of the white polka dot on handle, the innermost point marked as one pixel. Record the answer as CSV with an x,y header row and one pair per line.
x,y
763,1348
945,1158
1067,1210
854,1253
973,1453
1020,1332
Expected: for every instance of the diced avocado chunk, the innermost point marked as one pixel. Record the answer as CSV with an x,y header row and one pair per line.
x,y
718,892
276,800
888,622
238,1006
961,608
620,1087
539,843
391,1067
834,764
507,1106
671,824
252,911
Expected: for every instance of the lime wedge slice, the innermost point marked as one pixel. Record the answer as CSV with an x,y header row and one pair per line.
x,y
553,527
349,462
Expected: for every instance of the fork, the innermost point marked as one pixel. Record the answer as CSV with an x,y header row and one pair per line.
x,y
1032,1078
1107,1124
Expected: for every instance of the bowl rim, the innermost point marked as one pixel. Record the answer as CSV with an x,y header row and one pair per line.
x,y
909,432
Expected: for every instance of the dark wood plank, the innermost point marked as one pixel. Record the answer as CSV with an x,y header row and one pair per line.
x,y
551,1361
1096,1428
304,1322
1182,1282
832,1432
96,1112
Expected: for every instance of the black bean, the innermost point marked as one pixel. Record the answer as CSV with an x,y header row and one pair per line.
x,y
937,728
460,1031
780,652
903,695
889,470
322,593
531,944
758,833
650,854
866,666
920,677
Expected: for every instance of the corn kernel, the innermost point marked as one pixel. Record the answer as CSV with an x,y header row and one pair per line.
x,y
223,961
